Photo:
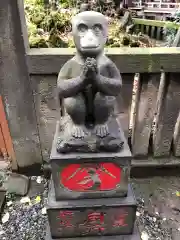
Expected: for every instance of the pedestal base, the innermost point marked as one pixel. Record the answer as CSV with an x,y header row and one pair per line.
x,y
87,217
91,175
134,236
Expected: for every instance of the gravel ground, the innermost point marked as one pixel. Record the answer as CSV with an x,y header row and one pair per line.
x,y
158,214
25,218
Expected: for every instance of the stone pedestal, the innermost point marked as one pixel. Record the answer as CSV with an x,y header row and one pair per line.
x,y
89,195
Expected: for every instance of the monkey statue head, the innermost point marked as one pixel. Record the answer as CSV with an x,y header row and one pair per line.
x,y
89,30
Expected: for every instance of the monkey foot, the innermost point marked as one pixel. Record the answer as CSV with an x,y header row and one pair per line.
x,y
78,131
102,130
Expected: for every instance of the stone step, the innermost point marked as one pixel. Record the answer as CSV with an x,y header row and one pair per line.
x,y
91,217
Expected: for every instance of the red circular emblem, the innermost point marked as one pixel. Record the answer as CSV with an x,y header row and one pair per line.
x,y
91,177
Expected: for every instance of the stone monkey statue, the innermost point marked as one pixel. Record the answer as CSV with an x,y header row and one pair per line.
x,y
89,82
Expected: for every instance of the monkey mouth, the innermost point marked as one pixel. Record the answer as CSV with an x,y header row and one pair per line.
x,y
90,47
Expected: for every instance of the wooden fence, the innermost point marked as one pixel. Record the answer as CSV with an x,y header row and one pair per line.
x,y
158,96
152,28
28,84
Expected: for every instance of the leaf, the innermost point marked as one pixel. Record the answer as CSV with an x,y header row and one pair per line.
x,y
5,218
39,179
44,211
144,236
25,200
177,193
38,199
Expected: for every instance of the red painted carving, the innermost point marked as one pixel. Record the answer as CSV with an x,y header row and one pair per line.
x,y
91,221
94,222
91,177
120,221
65,218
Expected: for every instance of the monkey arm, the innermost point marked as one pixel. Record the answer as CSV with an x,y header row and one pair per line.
x,y
111,83
69,84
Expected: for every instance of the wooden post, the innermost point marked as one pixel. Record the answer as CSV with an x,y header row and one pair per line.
x,y
176,42
158,33
176,145
167,115
144,113
6,137
15,85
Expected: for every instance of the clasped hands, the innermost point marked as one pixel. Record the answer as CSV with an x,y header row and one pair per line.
x,y
90,71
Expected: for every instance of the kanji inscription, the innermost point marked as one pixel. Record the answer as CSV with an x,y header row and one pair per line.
x,y
89,222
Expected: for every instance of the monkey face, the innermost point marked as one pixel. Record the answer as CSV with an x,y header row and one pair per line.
x,y
90,32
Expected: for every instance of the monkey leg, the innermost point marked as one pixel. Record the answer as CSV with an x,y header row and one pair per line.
x,y
75,107
103,106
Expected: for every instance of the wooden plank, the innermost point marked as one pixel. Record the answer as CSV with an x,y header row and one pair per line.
x,y
15,86
176,42
2,200
142,28
3,151
159,37
152,32
128,60
124,100
145,113
134,105
167,116
47,109
160,162
6,136
176,142
147,31
156,23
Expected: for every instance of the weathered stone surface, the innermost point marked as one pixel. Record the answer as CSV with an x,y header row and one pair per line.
x,y
15,85
134,236
88,85
81,217
90,143
17,184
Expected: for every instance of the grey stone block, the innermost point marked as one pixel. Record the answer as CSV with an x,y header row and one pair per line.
x,y
17,184
80,218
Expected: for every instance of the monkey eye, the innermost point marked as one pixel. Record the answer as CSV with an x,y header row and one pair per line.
x,y
97,27
82,27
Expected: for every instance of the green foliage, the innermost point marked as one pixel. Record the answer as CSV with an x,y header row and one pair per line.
x,y
52,28
67,3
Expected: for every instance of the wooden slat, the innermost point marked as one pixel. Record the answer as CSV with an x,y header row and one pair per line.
x,y
3,151
124,99
176,142
156,23
142,28
47,109
152,32
158,33
145,113
176,42
147,30
6,135
134,104
167,116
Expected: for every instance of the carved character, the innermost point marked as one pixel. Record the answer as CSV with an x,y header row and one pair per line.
x,y
89,82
